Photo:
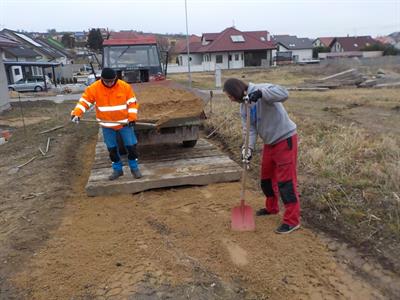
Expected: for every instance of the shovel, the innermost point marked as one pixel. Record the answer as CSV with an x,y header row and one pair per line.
x,y
242,218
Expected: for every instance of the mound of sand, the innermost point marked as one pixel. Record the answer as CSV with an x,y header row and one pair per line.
x,y
161,102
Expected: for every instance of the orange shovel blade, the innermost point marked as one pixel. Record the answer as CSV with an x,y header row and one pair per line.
x,y
242,218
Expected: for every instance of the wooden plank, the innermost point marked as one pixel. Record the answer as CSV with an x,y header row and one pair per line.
x,y
163,166
173,166
201,143
103,160
121,187
161,149
344,74
157,176
163,153
388,85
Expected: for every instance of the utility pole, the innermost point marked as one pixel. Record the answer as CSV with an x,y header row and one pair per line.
x,y
187,46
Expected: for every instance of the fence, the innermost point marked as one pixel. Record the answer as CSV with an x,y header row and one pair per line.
x,y
205,67
385,62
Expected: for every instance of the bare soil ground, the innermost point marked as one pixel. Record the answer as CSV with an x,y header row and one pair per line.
x,y
57,243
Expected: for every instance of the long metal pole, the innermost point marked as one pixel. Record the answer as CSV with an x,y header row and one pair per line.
x,y
22,114
187,46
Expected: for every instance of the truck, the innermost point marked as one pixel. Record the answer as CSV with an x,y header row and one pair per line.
x,y
172,153
138,61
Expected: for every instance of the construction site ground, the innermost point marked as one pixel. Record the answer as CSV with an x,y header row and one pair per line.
x,y
57,243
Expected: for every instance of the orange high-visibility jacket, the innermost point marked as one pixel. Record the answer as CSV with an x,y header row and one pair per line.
x,y
117,103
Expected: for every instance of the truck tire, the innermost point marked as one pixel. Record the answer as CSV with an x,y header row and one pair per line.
x,y
189,144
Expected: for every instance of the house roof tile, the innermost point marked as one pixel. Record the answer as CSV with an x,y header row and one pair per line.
x,y
354,43
21,51
326,41
180,45
6,42
232,39
292,42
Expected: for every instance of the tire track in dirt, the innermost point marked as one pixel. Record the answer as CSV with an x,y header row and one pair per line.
x,y
177,243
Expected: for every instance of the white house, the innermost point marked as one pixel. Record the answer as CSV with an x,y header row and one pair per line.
x,y
299,49
229,49
4,97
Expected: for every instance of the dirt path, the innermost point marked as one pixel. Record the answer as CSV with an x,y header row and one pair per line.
x,y
177,243
56,243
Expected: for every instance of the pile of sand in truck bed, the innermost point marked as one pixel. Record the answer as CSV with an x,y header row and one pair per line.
x,y
165,103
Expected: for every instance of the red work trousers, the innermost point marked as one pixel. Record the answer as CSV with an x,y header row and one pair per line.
x,y
279,176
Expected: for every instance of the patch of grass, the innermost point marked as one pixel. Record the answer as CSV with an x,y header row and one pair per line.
x,y
355,97
288,76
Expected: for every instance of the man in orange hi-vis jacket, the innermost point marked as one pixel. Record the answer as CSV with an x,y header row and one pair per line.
x,y
116,111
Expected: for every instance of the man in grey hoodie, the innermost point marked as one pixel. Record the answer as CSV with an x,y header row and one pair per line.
x,y
271,122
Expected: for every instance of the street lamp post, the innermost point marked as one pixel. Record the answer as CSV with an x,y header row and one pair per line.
x,y
187,46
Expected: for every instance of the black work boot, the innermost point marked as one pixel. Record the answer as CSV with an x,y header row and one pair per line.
x,y
285,228
262,212
136,173
115,174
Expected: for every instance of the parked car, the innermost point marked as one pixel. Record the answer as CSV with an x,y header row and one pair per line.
x,y
35,84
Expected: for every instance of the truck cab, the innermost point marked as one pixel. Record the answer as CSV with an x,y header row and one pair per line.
x,y
135,60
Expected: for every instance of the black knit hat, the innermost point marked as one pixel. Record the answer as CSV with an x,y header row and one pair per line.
x,y
108,73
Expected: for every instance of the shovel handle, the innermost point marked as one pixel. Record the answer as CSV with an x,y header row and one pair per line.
x,y
246,147
152,125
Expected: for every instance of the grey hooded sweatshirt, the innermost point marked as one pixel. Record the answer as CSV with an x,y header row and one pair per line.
x,y
268,117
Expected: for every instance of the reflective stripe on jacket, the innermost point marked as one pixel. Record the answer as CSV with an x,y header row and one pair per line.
x,y
115,104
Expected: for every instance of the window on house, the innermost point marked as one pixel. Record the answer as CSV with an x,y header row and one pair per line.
x,y
236,56
16,71
36,71
218,59
230,57
237,38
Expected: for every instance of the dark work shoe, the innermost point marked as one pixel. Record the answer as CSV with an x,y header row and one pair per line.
x,y
115,174
285,228
262,212
136,173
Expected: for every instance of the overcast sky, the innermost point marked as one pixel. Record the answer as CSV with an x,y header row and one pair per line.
x,y
304,18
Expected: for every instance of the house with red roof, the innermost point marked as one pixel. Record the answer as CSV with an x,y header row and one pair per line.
x,y
351,43
351,46
323,41
230,49
180,44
